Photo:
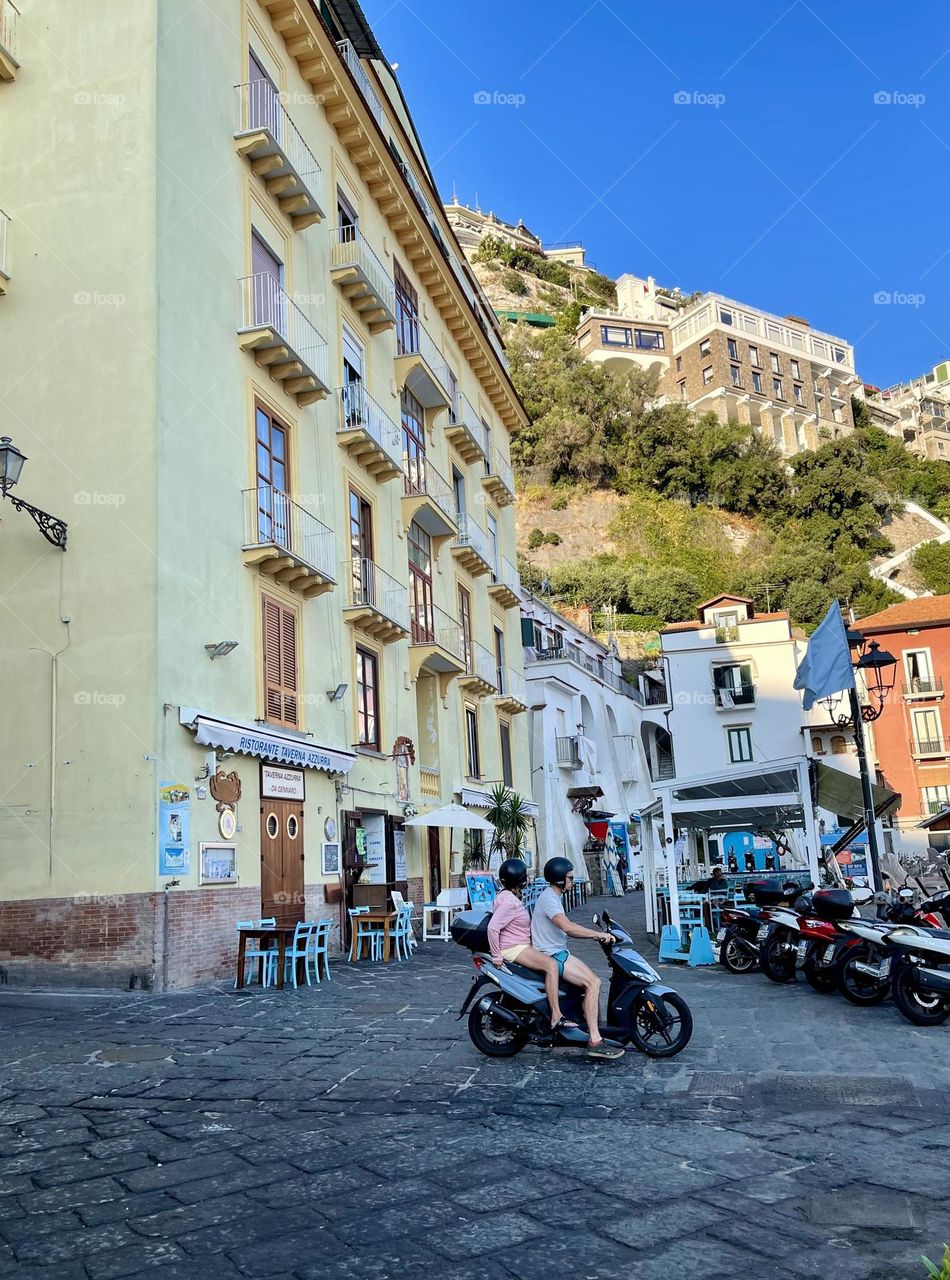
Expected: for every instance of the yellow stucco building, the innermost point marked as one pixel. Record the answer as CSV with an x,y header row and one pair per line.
x,y
249,367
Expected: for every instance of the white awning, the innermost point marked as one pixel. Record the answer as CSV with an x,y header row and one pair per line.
x,y
475,798
265,744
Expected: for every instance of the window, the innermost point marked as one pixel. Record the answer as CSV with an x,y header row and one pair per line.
x,y
504,737
649,340
492,523
273,483
732,684
798,392
704,347
361,550
353,403
500,660
263,100
754,354
936,798
796,373
613,335
679,364
707,375
279,630
465,619
267,297
407,312
839,746
838,353
472,757
927,732
774,362
740,745
726,316
917,667
367,699
453,395
682,388
756,381
736,373
458,490
817,746
733,348
777,390
412,416
420,585
347,217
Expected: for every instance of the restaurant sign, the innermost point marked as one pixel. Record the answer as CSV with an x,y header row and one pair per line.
x,y
266,745
281,784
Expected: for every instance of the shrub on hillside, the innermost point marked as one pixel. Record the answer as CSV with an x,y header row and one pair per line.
x,y
514,283
932,562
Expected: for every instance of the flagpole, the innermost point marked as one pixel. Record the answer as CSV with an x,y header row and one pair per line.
x,y
869,815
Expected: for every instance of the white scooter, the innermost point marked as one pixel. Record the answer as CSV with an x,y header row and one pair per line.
x,y
920,981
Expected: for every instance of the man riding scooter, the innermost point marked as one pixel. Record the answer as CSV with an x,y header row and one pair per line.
x,y
550,930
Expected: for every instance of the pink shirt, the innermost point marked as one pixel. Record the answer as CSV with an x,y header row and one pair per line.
x,y
509,926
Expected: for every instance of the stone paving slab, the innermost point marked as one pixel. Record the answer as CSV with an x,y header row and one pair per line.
x,y
352,1130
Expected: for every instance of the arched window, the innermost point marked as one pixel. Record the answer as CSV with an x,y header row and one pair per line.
x,y
838,745
817,746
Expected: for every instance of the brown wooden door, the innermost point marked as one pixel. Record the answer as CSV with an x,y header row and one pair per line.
x,y
435,864
282,870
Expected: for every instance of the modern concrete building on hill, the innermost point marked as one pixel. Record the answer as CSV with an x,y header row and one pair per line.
x,y
917,411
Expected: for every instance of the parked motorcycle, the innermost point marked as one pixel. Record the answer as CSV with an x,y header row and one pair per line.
x,y
508,1009
808,934
862,968
738,932
920,982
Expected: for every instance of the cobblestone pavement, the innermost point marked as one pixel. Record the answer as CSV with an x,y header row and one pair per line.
x,y
353,1131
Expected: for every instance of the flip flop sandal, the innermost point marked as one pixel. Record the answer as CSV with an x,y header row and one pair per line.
x,y
564,1024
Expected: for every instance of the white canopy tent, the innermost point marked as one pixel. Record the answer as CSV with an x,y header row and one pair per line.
x,y
451,815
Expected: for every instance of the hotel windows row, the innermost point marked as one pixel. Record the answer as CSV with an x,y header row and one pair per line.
x,y
614,335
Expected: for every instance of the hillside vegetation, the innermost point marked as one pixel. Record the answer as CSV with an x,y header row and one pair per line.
x,y
703,506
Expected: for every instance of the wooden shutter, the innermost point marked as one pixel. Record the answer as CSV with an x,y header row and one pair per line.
x,y
280,663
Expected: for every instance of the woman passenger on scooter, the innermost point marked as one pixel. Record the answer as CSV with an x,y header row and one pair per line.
x,y
509,935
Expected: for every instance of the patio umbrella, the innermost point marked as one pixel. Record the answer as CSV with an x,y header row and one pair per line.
x,y
451,815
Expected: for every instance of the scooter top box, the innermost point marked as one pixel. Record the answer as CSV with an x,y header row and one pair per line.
x,y
765,893
470,929
832,904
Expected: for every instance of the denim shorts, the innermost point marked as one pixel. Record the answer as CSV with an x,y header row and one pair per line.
x,y
561,957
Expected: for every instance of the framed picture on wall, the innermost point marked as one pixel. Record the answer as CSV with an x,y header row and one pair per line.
x,y
218,863
331,858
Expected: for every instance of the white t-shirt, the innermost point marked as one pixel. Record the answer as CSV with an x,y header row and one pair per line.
x,y
546,936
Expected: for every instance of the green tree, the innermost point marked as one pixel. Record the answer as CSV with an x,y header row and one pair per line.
x,y
932,562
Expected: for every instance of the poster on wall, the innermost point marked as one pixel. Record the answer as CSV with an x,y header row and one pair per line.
x,y
174,857
399,853
374,833
218,862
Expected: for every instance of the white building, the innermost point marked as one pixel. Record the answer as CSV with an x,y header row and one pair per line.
x,y
917,411
731,753
585,733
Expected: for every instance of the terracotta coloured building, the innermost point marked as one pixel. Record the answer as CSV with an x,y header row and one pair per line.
x,y
910,748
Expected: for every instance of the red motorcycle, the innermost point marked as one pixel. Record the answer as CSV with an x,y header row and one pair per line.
x,y
739,928
808,935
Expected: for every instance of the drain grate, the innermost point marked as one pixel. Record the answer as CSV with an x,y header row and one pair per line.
x,y
863,1207
838,1091
720,1084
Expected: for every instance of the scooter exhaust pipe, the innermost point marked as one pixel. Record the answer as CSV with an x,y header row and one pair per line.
x,y
489,1005
871,970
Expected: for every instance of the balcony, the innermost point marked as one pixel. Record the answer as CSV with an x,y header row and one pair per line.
x,y
436,645
9,16
512,696
282,339
428,499
420,366
480,674
283,540
506,585
731,696
568,752
362,279
923,687
472,548
498,480
274,147
4,251
924,748
368,434
466,431
376,603
358,72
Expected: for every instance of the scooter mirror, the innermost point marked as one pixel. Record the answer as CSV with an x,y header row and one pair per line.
x,y
862,897
596,919
905,895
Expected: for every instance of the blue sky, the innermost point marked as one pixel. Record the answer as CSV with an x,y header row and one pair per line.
x,y
782,180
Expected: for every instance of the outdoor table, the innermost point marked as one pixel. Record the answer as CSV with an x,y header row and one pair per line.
x,y
378,916
281,933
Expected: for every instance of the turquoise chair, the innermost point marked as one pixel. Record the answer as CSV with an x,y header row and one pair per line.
x,y
399,935
298,950
365,931
320,948
253,950
691,914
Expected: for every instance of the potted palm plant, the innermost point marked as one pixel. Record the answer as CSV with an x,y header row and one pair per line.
x,y
508,814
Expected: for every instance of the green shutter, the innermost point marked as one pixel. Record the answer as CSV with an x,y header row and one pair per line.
x,y
527,632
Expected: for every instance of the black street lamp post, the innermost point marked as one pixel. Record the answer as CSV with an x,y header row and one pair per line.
x,y
879,670
11,464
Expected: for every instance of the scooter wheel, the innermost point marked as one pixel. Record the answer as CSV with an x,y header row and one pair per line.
x,y
735,957
820,978
493,1037
859,988
651,1036
776,963
921,1007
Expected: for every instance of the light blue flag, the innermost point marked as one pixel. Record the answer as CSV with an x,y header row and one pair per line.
x,y
826,667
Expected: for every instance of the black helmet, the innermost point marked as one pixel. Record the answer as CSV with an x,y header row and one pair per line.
x,y
513,874
556,871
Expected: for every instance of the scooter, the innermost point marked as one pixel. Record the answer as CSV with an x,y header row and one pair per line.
x,y
920,983
807,934
508,1009
862,968
738,934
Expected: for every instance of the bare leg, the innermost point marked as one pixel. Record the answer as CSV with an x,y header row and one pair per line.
x,y
577,972
532,959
